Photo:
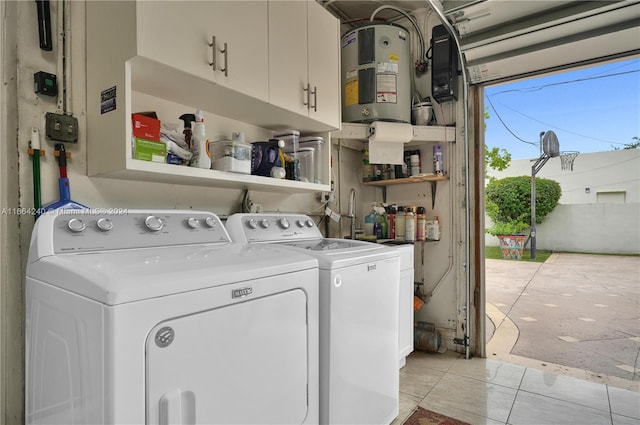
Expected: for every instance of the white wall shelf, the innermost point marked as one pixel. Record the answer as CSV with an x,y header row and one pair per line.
x,y
421,134
133,59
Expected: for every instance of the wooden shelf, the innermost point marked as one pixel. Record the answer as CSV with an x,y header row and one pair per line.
x,y
407,180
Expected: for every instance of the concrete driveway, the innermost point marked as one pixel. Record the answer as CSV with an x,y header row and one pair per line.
x,y
576,314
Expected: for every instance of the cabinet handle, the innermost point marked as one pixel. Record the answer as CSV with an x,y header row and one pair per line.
x,y
212,64
315,99
226,62
308,90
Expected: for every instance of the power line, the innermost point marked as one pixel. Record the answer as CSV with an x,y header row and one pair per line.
x,y
506,126
578,80
559,128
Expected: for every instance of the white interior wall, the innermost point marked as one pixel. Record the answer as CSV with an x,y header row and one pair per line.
x,y
11,271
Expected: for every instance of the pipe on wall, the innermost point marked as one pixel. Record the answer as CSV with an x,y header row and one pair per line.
x,y
467,233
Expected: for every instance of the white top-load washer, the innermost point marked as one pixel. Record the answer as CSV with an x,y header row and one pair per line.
x,y
359,376
155,317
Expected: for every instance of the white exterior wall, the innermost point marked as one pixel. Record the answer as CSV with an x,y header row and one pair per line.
x,y
599,210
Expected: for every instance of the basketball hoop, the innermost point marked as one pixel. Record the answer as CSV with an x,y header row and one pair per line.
x,y
566,160
550,144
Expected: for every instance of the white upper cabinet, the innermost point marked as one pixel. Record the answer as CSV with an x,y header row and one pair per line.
x,y
304,60
166,50
221,41
323,45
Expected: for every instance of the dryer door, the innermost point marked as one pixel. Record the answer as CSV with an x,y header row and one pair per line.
x,y
241,363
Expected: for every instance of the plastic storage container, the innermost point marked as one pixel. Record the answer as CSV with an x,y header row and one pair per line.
x,y
315,143
291,140
306,164
233,156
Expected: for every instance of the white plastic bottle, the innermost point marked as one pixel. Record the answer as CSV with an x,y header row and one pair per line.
x,y
201,159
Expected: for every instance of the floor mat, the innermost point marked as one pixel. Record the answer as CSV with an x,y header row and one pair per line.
x,y
426,417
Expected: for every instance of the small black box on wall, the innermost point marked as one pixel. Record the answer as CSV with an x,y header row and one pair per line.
x,y
45,83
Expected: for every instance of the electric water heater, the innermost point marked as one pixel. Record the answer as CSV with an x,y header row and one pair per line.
x,y
376,71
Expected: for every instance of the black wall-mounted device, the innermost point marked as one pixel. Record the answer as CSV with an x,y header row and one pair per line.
x,y
45,83
444,68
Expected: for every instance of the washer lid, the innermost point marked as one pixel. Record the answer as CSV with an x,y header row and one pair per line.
x,y
335,253
122,276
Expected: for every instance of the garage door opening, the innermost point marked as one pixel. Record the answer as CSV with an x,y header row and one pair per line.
x,y
576,312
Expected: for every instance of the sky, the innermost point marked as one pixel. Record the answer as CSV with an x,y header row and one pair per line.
x,y
593,109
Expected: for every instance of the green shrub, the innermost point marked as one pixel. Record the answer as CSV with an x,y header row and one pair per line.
x,y
508,203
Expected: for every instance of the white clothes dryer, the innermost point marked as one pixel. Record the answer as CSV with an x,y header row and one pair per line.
x,y
154,317
359,378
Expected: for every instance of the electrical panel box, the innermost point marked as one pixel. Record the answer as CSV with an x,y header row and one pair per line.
x,y
63,128
444,69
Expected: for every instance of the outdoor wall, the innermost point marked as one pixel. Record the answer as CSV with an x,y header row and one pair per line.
x,y
599,228
594,175
599,210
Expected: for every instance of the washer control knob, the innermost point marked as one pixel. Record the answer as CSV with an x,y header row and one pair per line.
x,y
193,223
153,223
310,223
104,224
252,223
264,223
76,225
210,221
300,222
284,223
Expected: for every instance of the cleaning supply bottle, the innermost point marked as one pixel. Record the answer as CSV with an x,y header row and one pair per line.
x,y
438,167
201,158
400,224
391,218
436,222
421,224
384,223
410,226
370,221
187,119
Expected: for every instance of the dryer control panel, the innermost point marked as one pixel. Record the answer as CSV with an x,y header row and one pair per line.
x,y
271,227
71,231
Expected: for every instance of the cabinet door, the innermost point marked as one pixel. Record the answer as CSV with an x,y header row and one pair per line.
x,y
288,74
243,26
179,34
174,34
324,65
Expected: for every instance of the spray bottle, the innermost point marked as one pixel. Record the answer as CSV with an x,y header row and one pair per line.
x,y
201,158
188,119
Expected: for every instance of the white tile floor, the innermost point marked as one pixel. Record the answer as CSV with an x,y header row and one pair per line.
x,y
481,391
